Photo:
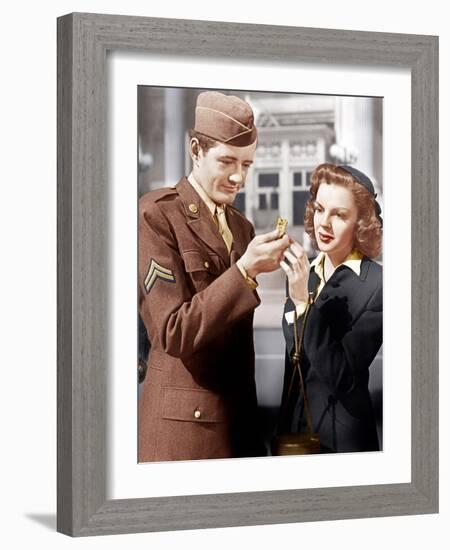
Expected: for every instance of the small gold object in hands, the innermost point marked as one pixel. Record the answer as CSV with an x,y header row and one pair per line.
x,y
281,227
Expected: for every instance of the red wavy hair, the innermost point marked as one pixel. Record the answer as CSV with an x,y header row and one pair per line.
x,y
368,232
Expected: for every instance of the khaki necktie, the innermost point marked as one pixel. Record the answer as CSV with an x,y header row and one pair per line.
x,y
224,230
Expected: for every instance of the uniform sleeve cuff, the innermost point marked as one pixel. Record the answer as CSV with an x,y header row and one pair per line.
x,y
249,280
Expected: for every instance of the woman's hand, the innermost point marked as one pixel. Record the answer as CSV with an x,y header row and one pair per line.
x,y
297,271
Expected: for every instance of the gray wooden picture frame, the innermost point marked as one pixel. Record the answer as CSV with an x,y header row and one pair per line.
x,y
83,42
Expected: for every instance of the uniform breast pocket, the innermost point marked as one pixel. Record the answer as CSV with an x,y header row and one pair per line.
x,y
202,268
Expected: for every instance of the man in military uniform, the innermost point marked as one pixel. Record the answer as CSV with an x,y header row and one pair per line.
x,y
198,260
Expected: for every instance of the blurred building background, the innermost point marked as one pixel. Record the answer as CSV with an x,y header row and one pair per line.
x,y
296,132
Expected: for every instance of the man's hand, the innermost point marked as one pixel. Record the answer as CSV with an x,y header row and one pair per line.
x,y
297,270
264,253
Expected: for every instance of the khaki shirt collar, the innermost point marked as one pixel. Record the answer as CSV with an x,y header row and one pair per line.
x,y
203,195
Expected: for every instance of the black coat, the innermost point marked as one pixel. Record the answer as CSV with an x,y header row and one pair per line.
x,y
343,333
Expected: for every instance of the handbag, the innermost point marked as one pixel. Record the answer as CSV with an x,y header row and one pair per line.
x,y
299,443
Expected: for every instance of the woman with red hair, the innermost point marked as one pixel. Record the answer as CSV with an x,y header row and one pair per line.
x,y
332,320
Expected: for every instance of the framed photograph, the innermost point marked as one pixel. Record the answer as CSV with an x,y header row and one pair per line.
x,y
108,66
297,136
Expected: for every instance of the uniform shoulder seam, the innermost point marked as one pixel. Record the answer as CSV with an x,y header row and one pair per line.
x,y
158,194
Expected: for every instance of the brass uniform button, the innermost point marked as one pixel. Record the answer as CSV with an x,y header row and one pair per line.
x,y
197,413
206,264
193,208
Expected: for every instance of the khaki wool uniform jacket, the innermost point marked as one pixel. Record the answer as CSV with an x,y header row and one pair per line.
x,y
199,395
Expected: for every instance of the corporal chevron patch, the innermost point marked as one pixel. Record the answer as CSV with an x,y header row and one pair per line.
x,y
157,271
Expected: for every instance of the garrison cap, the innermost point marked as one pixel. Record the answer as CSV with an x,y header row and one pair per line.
x,y
225,118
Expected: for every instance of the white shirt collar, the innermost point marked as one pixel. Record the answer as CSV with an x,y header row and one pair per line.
x,y
353,261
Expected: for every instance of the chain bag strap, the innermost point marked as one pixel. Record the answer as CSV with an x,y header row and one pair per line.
x,y
301,442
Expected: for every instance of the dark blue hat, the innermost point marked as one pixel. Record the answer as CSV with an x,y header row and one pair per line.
x,y
360,177
366,182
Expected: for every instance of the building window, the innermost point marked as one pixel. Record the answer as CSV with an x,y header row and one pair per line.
x,y
262,202
274,201
269,180
298,179
267,205
301,182
239,202
300,199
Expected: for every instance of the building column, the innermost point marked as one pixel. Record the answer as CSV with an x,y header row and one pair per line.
x,y
174,138
358,131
